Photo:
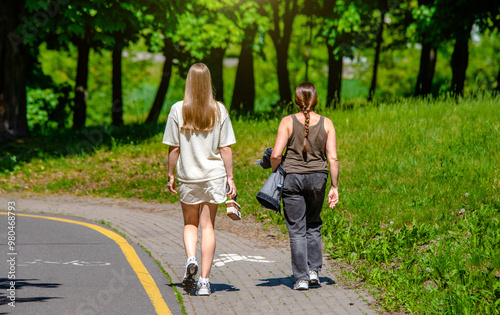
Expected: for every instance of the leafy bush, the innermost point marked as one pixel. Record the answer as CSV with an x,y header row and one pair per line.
x,y
419,210
48,109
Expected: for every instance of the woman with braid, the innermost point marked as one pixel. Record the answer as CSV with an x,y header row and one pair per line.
x,y
310,144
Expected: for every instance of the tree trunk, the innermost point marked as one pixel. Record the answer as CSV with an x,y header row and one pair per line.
x,y
117,105
309,45
498,82
243,99
335,68
428,59
373,84
281,42
82,74
283,75
460,61
155,111
214,62
13,59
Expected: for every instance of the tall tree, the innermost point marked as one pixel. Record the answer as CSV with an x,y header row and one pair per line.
x,y
84,44
168,53
162,19
117,102
454,19
206,34
245,17
489,21
460,59
427,68
123,27
382,8
13,55
243,100
82,23
283,14
498,82
214,59
339,29
429,38
391,20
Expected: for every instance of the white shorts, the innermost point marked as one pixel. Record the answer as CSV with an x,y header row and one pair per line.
x,y
213,191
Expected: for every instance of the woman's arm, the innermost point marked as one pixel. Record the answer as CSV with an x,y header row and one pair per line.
x,y
227,157
284,131
331,151
173,156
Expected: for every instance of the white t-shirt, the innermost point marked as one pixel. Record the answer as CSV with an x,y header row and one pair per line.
x,y
199,157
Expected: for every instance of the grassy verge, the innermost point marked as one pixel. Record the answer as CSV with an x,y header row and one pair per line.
x,y
419,190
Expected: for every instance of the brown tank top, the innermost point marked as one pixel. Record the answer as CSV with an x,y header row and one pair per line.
x,y
315,159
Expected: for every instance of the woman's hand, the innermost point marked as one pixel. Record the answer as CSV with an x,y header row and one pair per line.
x,y
227,157
232,188
333,197
171,184
173,157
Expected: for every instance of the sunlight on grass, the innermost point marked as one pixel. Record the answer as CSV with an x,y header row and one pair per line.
x,y
418,216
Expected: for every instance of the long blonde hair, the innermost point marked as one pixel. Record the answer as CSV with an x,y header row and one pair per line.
x,y
200,110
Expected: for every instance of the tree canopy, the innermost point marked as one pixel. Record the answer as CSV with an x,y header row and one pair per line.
x,y
285,38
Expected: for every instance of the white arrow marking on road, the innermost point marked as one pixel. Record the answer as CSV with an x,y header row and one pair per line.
x,y
227,258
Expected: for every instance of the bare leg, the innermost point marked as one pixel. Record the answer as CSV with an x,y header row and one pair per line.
x,y
207,221
191,221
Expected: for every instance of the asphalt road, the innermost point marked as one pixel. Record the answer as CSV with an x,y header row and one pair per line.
x,y
66,268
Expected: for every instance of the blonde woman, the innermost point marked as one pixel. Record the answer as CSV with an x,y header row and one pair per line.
x,y
199,134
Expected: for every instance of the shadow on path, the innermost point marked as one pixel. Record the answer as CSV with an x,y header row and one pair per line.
x,y
215,287
21,283
289,282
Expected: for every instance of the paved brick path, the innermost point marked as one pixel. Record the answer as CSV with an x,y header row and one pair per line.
x,y
247,278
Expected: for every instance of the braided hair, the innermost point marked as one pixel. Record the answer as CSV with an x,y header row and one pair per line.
x,y
306,99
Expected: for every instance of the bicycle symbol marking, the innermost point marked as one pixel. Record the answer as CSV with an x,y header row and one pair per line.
x,y
227,258
73,262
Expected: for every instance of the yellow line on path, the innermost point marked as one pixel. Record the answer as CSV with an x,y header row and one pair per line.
x,y
136,264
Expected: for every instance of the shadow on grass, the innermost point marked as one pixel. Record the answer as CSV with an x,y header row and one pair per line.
x,y
66,142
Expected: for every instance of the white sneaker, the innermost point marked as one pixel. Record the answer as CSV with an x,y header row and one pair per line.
x,y
313,277
203,288
188,281
301,285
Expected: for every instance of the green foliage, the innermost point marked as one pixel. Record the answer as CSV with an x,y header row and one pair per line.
x,y
203,28
419,211
342,22
47,109
484,63
208,24
450,266
419,188
39,102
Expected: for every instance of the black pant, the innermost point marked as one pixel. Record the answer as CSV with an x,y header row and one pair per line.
x,y
303,197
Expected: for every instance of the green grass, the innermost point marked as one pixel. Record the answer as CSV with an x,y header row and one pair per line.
x,y
178,295
418,217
